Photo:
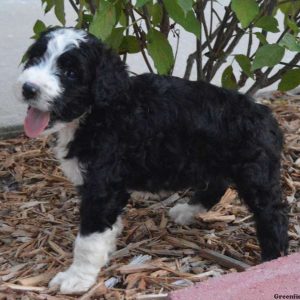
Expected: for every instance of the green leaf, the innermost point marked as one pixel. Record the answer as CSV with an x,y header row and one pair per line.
x,y
129,44
189,21
87,18
290,80
156,13
25,56
268,56
261,38
268,23
245,64
289,8
228,79
38,28
123,19
115,38
49,5
104,20
245,10
118,8
186,5
290,42
191,24
160,50
60,11
140,3
292,24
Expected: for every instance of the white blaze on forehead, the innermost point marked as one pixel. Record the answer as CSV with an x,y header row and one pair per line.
x,y
43,74
61,40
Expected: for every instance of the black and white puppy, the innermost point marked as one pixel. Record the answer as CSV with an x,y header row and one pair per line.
x,y
147,133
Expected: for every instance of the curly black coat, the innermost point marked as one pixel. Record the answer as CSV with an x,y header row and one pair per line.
x,y
152,133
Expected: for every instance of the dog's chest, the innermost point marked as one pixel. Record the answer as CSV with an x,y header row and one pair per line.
x,y
71,167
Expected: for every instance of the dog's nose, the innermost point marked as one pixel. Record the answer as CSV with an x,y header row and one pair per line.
x,y
30,90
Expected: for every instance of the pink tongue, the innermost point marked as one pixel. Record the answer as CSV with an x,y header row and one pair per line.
x,y
35,122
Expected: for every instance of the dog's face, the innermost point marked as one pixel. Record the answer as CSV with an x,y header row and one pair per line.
x,y
57,78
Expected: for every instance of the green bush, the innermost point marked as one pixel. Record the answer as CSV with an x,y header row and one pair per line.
x,y
145,26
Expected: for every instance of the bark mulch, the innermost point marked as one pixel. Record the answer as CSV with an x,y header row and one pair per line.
x,y
39,222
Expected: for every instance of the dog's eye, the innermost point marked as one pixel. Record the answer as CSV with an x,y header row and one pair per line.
x,y
70,74
34,60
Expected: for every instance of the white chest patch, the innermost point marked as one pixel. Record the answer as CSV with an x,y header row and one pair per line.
x,y
71,167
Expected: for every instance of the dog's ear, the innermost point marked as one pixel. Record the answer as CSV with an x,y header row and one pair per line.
x,y
111,81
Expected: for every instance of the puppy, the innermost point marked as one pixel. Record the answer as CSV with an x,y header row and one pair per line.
x,y
147,133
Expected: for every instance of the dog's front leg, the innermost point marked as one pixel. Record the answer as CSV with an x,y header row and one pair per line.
x,y
100,225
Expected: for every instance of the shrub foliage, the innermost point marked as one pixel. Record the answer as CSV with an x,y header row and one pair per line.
x,y
220,27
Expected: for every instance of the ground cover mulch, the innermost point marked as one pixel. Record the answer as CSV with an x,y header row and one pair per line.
x,y
39,222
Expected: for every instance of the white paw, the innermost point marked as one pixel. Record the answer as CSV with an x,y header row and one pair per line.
x,y
72,282
91,253
183,214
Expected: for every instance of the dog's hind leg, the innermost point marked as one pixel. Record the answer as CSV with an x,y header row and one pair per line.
x,y
203,199
258,184
100,225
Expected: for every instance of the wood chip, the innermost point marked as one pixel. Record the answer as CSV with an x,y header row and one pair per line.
x,y
224,260
24,288
35,280
211,217
129,269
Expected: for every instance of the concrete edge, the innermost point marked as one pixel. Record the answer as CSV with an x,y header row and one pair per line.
x,y
8,132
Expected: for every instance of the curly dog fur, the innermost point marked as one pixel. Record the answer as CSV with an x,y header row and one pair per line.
x,y
152,133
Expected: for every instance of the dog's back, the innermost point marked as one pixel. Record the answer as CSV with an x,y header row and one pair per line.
x,y
181,128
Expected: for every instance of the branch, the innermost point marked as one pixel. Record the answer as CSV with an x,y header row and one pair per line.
x,y
223,39
228,51
219,43
244,77
177,34
73,4
147,17
283,70
250,42
218,17
189,65
211,17
127,33
199,11
139,35
164,25
92,6
264,81
192,56
201,18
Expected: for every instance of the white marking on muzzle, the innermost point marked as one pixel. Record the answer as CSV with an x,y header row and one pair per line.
x,y
45,73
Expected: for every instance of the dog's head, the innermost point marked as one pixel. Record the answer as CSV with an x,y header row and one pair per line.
x,y
67,72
